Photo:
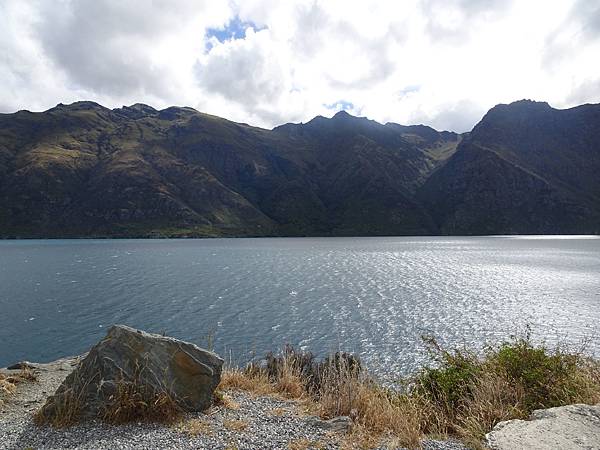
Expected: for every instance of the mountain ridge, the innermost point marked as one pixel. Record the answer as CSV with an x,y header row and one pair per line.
x,y
84,170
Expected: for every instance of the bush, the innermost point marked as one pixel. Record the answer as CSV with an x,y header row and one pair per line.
x,y
548,378
450,383
467,394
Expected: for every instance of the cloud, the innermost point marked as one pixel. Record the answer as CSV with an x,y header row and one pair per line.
x,y
586,92
579,29
245,70
113,47
454,20
268,62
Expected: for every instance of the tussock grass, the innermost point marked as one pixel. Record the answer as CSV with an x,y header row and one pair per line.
x,y
253,382
305,444
131,401
235,425
196,427
464,394
64,413
9,382
7,386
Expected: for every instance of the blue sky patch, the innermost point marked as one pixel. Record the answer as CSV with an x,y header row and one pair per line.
x,y
235,29
340,105
409,90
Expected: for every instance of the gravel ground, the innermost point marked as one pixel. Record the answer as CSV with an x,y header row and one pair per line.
x,y
248,423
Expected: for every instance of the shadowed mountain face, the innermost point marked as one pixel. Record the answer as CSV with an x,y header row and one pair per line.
x,y
525,168
85,170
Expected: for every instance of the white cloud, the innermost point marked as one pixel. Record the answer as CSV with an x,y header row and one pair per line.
x,y
436,62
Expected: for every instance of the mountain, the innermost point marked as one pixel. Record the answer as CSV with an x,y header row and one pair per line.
x,y
525,168
83,170
86,170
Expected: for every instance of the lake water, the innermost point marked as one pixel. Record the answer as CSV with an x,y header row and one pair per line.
x,y
373,296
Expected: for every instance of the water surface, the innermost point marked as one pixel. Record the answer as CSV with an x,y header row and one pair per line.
x,y
373,296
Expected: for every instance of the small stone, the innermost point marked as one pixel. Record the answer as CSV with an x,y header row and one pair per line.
x,y
21,365
339,424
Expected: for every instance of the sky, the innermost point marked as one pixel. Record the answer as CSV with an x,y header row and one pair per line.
x,y
442,63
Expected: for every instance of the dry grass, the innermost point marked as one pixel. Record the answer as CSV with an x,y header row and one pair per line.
x,y
130,403
467,394
235,425
8,383
464,395
255,383
305,444
332,388
287,384
196,427
65,411
230,403
280,412
376,411
494,399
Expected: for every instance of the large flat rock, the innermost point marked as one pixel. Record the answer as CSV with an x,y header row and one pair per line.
x,y
147,362
565,428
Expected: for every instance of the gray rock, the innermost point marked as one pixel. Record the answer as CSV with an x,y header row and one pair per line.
x,y
340,424
21,365
153,363
565,427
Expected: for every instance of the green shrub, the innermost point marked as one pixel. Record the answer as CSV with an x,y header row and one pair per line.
x,y
448,384
548,378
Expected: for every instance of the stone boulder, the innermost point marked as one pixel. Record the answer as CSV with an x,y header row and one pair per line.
x,y
149,363
569,427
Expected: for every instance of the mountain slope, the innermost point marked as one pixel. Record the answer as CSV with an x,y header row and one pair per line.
x,y
85,170
525,168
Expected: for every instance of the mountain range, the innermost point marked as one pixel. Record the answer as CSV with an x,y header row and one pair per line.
x,y
83,170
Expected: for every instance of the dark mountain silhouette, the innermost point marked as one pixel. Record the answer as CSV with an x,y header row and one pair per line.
x,y
525,168
86,170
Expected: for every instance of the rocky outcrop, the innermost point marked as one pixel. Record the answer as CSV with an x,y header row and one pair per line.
x,y
144,362
565,427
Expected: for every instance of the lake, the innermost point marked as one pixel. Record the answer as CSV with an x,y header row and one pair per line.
x,y
372,296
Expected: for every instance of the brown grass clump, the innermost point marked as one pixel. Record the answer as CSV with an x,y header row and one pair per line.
x,y
64,413
130,403
285,381
196,427
235,425
279,412
8,383
305,444
376,411
253,382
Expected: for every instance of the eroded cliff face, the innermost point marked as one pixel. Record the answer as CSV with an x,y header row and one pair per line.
x,y
85,170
